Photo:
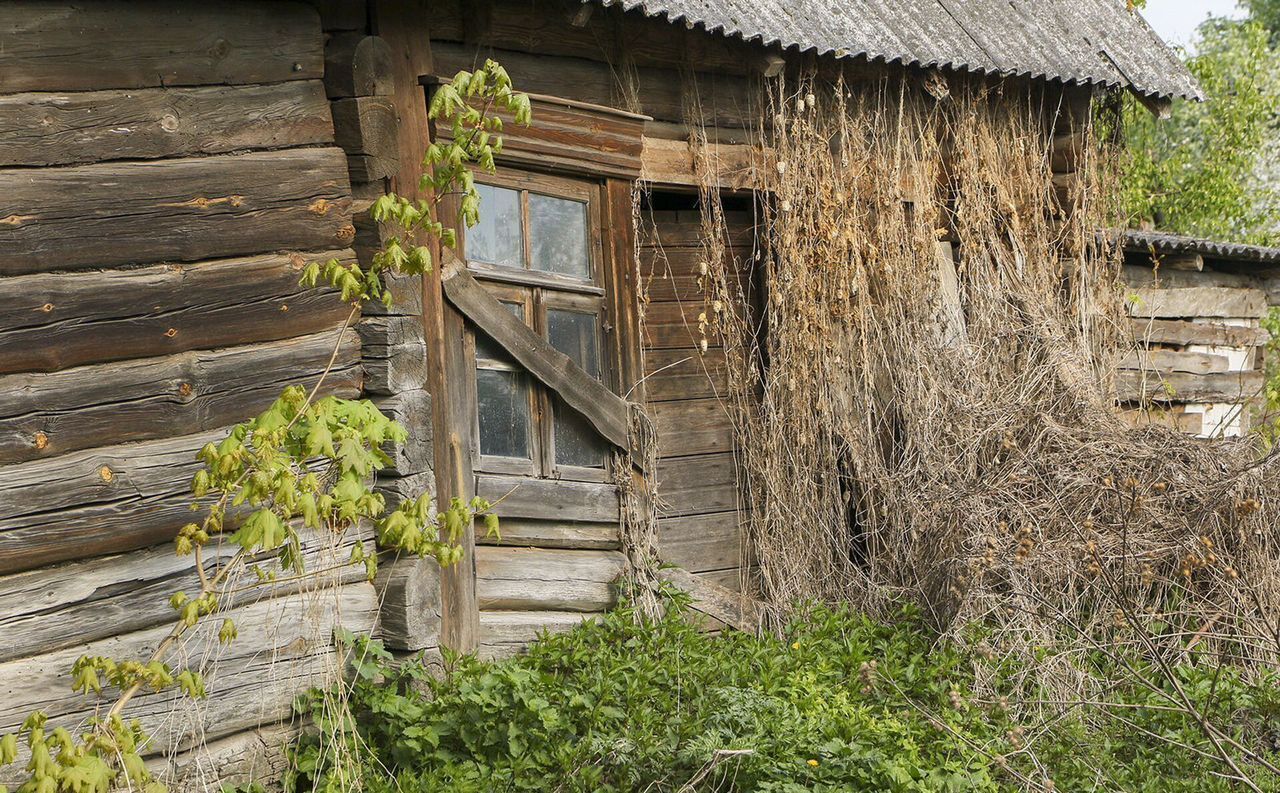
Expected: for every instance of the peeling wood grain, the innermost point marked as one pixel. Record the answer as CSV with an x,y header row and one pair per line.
x,y
139,212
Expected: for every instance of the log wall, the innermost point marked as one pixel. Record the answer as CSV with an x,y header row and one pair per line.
x,y
166,171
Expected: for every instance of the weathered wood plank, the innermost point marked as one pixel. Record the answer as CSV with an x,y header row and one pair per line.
x,y
412,409
85,127
1217,334
367,126
1174,417
683,228
505,633
55,321
357,65
546,580
1197,301
702,542
410,613
524,532
109,214
44,415
573,138
394,352
692,426
285,645
670,326
608,413
67,605
550,499
1155,360
106,500
685,374
695,485
671,162
732,608
1134,386
46,45
235,760
1147,276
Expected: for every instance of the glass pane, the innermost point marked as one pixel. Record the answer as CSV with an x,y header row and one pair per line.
x,y
576,441
497,238
489,349
503,408
574,334
558,234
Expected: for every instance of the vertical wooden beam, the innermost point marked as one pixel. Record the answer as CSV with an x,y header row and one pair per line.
x,y
624,292
405,26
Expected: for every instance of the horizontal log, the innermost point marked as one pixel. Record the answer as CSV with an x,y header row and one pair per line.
x,y
1174,417
506,633
1147,276
608,414
550,499
1235,387
671,326
693,426
1216,334
685,374
394,352
66,605
55,321
284,646
1176,361
702,542
356,64
87,503
1198,301
92,126
525,532
395,489
697,485
48,45
546,580
367,126
684,228
138,212
44,415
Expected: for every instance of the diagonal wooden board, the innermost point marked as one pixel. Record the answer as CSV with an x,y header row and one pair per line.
x,y
732,608
608,413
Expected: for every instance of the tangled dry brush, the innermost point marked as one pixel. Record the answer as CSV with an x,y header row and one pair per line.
x,y
941,428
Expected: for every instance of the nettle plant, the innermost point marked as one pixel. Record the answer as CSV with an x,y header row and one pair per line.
x,y
304,464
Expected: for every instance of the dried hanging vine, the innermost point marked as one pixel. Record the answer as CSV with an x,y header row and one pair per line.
x,y
302,465
937,428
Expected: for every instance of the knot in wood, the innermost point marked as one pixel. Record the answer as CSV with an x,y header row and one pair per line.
x,y
347,233
219,49
106,474
47,307
319,207
41,441
171,332
184,390
169,122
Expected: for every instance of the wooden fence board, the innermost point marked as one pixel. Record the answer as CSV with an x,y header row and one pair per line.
x,y
55,321
138,212
92,126
44,415
48,45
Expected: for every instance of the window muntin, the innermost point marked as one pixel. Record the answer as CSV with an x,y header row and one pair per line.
x,y
546,258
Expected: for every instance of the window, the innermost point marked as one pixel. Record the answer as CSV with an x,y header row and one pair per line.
x,y
537,250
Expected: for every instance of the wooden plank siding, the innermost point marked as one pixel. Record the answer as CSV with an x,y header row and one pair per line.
x,y
700,518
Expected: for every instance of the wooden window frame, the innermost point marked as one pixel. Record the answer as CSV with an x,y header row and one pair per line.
x,y
537,291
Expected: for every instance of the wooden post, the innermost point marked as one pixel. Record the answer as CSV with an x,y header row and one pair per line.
x,y
404,25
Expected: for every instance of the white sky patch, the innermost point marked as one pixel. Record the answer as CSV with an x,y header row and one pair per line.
x,y
1176,20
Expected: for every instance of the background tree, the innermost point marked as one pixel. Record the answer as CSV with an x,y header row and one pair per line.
x,y
1211,168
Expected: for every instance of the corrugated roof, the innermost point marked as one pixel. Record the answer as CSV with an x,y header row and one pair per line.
x,y
1074,41
1164,242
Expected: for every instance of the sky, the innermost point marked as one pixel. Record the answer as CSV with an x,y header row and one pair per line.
x,y
1176,20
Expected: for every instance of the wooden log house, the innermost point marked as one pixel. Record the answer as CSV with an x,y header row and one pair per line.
x,y
168,168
